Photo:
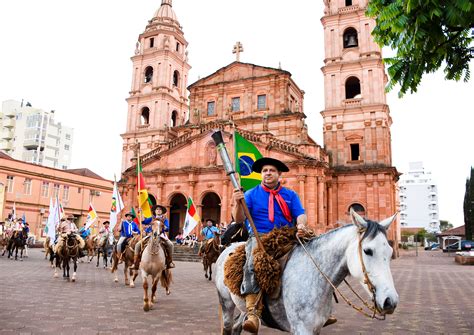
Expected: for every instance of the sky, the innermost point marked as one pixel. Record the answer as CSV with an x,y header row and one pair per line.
x,y
74,57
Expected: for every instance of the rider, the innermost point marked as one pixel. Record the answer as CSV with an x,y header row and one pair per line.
x,y
208,233
104,232
128,228
68,227
84,232
271,206
161,224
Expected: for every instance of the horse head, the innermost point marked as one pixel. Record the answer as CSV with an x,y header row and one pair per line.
x,y
368,260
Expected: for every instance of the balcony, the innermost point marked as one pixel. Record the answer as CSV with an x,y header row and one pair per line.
x,y
7,134
348,9
355,102
9,123
6,146
33,144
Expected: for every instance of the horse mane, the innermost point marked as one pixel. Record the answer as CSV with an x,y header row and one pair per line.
x,y
372,229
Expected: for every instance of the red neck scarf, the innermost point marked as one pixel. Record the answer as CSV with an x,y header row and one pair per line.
x,y
275,194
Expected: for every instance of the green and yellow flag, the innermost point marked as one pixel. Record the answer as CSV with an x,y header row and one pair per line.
x,y
245,155
143,200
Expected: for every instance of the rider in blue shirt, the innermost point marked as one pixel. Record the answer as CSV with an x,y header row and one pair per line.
x,y
128,229
271,207
84,232
208,233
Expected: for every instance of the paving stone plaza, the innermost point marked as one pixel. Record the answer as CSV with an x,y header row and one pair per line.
x,y
436,297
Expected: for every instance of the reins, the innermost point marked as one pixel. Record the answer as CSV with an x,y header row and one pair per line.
x,y
375,311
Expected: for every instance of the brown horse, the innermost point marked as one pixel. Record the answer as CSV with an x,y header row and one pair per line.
x,y
4,238
212,250
127,259
90,247
48,250
69,250
153,263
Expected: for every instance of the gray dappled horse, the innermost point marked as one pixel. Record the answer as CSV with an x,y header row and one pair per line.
x,y
305,301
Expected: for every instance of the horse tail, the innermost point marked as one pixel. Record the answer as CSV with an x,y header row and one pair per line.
x,y
166,278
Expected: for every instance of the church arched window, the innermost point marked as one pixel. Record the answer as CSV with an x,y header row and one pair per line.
x,y
174,119
148,74
176,78
350,38
352,88
348,2
358,208
145,116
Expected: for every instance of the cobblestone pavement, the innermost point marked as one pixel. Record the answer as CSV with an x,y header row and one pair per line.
x,y
436,297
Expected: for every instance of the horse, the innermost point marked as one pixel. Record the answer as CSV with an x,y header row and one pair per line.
x,y
70,250
90,247
17,241
360,250
235,232
46,247
4,239
153,263
104,247
212,250
127,261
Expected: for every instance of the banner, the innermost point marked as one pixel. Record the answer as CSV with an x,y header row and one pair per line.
x,y
192,218
245,155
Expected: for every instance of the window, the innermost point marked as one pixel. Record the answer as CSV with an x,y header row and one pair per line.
x,y
349,38
177,46
210,107
66,146
45,189
262,101
355,153
236,104
10,184
68,136
27,186
79,190
145,116
56,190
348,2
66,193
352,88
174,119
176,78
152,42
148,74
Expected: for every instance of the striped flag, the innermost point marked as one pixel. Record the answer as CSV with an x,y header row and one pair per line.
x,y
192,218
116,207
136,217
143,200
91,216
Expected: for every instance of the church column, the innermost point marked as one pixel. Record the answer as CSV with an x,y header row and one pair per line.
x,y
321,221
330,218
225,200
301,179
311,202
159,192
317,200
192,185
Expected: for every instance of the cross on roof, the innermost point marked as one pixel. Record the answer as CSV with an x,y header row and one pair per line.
x,y
238,48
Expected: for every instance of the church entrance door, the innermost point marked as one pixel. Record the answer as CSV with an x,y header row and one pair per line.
x,y
211,207
178,206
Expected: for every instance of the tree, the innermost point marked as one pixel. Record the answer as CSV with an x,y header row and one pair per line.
x,y
469,206
445,225
424,34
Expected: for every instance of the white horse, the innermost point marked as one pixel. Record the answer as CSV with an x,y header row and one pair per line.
x,y
305,302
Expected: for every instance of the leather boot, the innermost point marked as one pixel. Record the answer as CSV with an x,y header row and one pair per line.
x,y
331,319
254,312
169,262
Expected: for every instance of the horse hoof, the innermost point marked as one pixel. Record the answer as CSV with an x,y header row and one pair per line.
x,y
55,275
132,285
21,259
168,292
205,275
73,280
146,307
116,280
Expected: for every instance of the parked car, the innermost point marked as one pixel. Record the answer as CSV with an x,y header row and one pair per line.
x,y
434,246
465,246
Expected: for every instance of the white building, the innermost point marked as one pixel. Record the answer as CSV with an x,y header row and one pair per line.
x,y
32,135
418,199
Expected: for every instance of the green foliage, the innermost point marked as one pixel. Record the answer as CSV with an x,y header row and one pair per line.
x,y
430,237
424,33
445,225
468,206
420,236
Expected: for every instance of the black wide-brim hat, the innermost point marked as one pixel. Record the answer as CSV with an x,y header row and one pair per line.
x,y
260,163
130,214
163,208
106,222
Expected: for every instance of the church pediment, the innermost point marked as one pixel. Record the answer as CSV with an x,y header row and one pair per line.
x,y
238,71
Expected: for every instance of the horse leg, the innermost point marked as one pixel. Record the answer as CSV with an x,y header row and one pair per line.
x,y
204,263
227,308
133,276
98,257
21,254
153,289
146,304
114,266
74,260
210,271
125,272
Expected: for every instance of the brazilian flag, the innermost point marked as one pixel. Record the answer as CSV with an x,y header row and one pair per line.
x,y
245,155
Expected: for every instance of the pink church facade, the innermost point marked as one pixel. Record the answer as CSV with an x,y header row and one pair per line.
x,y
266,106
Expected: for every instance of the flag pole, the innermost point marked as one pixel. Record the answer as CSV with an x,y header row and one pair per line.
x,y
138,189
220,146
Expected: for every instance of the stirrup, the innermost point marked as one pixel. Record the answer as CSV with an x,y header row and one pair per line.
x,y
249,325
331,320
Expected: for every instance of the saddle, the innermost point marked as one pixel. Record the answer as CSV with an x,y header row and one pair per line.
x,y
278,245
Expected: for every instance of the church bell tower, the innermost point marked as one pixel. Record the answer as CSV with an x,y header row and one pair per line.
x,y
158,96
356,116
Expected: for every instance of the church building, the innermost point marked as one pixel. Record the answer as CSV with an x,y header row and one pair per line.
x,y
172,135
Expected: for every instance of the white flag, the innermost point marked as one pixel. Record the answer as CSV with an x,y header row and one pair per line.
x,y
14,211
51,222
192,218
116,207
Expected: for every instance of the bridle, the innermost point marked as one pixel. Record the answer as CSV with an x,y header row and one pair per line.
x,y
375,312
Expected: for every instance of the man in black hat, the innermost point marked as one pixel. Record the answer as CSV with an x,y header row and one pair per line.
x,y
128,228
271,207
208,234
